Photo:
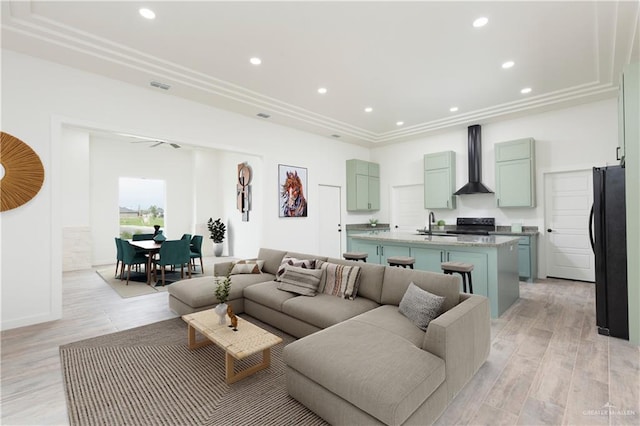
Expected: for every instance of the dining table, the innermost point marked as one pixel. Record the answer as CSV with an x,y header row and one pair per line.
x,y
150,248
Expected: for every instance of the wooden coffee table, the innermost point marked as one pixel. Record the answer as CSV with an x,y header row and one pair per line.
x,y
248,340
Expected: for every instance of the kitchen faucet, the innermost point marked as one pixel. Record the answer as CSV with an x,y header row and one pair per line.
x,y
432,219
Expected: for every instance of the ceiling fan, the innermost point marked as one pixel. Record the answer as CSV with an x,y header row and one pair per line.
x,y
156,142
175,145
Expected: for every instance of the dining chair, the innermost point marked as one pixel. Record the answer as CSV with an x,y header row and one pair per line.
x,y
131,257
196,251
186,237
119,256
173,253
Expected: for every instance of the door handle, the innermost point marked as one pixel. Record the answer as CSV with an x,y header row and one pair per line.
x,y
591,224
549,230
618,153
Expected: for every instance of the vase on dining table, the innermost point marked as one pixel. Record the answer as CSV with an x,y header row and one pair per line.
x,y
221,311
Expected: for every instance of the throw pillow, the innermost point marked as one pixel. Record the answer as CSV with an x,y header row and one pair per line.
x,y
340,280
420,306
299,280
292,261
247,266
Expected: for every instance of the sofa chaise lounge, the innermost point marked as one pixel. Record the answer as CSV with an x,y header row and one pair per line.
x,y
361,361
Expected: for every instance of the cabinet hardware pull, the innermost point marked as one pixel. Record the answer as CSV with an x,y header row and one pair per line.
x,y
618,153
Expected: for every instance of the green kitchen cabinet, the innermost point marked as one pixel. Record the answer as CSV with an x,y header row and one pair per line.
x,y
515,173
363,185
378,253
430,259
440,180
528,258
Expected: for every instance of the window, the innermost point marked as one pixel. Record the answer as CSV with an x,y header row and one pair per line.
x,y
142,205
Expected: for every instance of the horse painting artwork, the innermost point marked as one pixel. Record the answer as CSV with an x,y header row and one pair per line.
x,y
292,200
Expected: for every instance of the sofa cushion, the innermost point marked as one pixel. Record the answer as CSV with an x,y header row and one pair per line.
x,y
376,370
198,292
272,259
325,310
371,278
294,261
305,256
301,281
247,266
420,306
396,282
339,280
387,317
268,294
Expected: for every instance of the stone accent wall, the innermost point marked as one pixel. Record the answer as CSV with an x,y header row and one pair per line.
x,y
76,248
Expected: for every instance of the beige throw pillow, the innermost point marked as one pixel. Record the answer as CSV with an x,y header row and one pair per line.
x,y
299,280
292,261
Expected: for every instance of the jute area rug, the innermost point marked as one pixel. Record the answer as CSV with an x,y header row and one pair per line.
x,y
148,376
138,281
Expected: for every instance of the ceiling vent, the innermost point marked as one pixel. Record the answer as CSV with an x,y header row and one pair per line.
x,y
159,85
263,115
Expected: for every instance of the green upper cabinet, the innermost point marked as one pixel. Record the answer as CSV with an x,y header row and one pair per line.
x,y
515,173
363,185
440,180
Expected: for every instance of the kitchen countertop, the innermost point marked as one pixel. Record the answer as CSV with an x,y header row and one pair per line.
x,y
439,240
366,227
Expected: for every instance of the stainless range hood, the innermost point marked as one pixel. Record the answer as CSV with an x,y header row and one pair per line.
x,y
474,186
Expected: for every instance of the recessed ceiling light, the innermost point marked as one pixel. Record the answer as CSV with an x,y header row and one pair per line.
x,y
480,22
322,90
368,109
453,109
526,90
147,13
399,123
255,61
508,64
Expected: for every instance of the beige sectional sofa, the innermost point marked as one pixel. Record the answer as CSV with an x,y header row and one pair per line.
x,y
361,361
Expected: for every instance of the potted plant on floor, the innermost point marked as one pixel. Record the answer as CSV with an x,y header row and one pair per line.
x,y
216,233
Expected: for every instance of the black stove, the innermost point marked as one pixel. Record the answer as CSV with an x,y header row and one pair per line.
x,y
474,226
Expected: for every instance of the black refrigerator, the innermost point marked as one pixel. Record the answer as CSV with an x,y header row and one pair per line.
x,y
608,234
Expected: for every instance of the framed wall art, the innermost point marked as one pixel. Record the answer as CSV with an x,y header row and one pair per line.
x,y
292,184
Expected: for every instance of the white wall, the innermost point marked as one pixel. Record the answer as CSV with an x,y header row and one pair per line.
x,y
575,138
39,98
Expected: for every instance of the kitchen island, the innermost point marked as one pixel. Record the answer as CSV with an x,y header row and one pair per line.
x,y
494,258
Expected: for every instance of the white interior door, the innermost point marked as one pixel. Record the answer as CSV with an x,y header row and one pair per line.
x,y
330,223
407,207
568,200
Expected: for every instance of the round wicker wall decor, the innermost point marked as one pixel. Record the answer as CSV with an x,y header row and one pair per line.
x,y
23,172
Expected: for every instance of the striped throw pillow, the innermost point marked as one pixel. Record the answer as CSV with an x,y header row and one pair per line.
x,y
340,280
299,280
292,261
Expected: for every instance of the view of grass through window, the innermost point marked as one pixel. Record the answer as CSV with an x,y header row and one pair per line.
x,y
142,203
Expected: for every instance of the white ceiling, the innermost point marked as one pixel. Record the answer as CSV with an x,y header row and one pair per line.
x,y
409,61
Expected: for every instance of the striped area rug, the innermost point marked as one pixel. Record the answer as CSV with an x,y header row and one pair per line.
x,y
148,376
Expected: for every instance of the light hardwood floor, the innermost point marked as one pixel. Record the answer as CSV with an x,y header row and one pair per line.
x,y
547,363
